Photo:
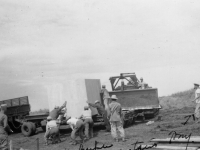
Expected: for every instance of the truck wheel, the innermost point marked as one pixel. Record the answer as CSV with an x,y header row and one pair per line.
x,y
33,128
27,128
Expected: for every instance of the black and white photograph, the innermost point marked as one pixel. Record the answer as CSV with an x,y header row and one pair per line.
x,y
99,74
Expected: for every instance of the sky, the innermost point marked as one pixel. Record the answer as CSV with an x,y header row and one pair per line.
x,y
46,42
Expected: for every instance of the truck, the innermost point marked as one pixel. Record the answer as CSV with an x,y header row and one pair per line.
x,y
19,118
136,103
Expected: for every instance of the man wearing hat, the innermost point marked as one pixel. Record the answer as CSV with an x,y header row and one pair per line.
x,y
56,111
3,127
52,130
101,112
105,96
88,122
142,84
115,116
197,100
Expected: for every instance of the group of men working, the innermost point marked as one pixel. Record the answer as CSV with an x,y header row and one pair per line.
x,y
111,113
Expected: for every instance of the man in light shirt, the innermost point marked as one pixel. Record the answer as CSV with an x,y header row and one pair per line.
x,y
105,96
115,115
77,126
142,84
88,122
52,130
197,100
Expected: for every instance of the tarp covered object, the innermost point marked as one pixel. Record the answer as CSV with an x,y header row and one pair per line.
x,y
76,93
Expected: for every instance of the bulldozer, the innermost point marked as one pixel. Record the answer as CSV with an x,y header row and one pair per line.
x,y
144,102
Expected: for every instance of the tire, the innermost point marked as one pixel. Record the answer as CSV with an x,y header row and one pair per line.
x,y
27,129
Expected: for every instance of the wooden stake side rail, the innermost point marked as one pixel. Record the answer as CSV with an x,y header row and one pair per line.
x,y
36,117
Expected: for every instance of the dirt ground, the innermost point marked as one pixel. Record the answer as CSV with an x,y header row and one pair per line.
x,y
171,121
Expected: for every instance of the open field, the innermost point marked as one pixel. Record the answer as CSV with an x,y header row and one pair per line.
x,y
172,120
178,100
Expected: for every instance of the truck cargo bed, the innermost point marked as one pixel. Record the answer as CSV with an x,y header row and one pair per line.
x,y
17,106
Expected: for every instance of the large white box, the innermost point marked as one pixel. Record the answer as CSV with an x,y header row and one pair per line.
x,y
76,93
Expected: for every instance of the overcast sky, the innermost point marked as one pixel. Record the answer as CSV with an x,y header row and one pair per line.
x,y
46,42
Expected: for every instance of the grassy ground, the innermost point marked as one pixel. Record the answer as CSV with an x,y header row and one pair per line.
x,y
172,120
175,108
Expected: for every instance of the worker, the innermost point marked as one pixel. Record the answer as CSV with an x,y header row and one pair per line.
x,y
56,111
197,100
105,96
88,122
101,112
77,126
142,84
52,131
3,126
115,116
